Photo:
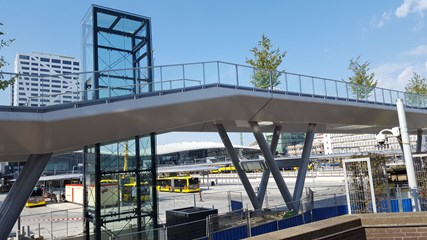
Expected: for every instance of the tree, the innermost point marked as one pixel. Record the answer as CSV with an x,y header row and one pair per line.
x,y
362,82
416,91
266,62
4,43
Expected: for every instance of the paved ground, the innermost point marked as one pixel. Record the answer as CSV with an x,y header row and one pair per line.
x,y
59,220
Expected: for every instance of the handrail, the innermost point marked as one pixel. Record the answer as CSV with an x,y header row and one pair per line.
x,y
165,77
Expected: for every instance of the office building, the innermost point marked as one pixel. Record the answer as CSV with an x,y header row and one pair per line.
x,y
43,74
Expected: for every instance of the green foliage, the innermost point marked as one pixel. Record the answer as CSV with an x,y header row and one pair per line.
x,y
416,91
266,62
362,82
4,43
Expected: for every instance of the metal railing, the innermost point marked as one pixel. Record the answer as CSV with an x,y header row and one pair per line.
x,y
62,88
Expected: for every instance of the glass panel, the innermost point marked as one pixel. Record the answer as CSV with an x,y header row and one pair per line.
x,y
307,85
245,76
193,75
227,73
145,152
105,20
293,83
127,25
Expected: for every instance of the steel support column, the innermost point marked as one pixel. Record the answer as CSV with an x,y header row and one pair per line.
x,y
410,169
266,174
271,163
305,160
235,159
419,140
21,189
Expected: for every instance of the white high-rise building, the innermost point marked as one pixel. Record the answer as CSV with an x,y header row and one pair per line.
x,y
44,80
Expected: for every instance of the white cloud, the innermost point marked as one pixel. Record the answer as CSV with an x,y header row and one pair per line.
x,y
411,6
388,75
380,22
419,50
396,75
405,74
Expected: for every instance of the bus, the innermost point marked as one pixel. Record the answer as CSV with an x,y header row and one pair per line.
x,y
129,192
36,198
224,169
185,184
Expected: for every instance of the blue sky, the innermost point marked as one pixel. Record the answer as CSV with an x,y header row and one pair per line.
x,y
320,37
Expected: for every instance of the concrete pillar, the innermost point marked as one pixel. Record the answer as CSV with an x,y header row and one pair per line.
x,y
21,190
271,163
235,159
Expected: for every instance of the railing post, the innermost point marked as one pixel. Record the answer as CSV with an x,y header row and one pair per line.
x,y
286,82
300,87
161,79
204,77
219,74
326,90
271,80
248,223
183,75
237,75
67,221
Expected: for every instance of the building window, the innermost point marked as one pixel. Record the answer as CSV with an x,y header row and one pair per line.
x,y
25,68
24,57
34,69
64,67
34,64
44,70
25,63
66,62
45,59
56,61
56,66
76,63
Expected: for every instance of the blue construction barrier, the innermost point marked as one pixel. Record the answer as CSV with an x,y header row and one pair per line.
x,y
407,205
394,205
264,228
290,222
236,205
232,233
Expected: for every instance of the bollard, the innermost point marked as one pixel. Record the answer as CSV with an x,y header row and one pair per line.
x,y
28,231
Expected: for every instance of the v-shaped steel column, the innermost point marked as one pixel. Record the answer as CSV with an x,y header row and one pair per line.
x,y
21,189
266,174
305,160
271,163
235,159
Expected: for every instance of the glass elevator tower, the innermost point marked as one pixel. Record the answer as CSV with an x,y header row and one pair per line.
x,y
119,176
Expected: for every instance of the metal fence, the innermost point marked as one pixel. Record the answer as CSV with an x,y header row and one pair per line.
x,y
186,77
242,222
51,225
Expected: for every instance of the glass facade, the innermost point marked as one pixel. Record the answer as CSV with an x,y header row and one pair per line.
x,y
120,176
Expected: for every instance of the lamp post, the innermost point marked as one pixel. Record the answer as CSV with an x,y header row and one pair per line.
x,y
401,133
407,154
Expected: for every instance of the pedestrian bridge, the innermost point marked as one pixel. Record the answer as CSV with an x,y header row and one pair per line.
x,y
195,97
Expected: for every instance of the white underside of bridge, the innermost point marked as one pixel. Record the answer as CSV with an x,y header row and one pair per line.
x,y
58,131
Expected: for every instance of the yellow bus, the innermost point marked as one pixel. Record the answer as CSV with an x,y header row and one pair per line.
x,y
129,192
224,169
36,198
185,184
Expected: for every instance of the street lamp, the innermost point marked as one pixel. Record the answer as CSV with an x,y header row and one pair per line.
x,y
403,137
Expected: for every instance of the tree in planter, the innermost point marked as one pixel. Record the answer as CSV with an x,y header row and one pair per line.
x,y
266,62
416,91
362,82
4,43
